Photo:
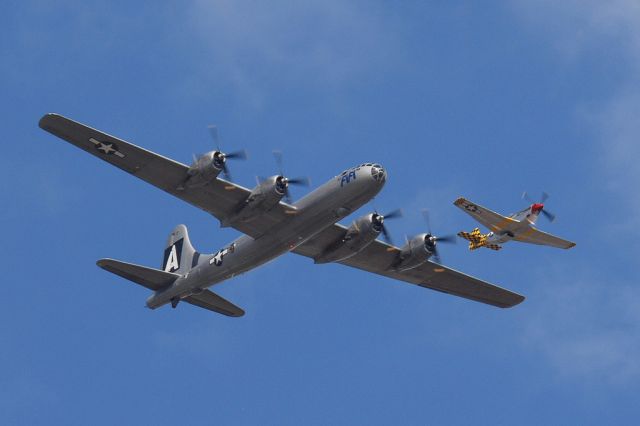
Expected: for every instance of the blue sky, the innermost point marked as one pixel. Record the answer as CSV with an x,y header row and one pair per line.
x,y
453,98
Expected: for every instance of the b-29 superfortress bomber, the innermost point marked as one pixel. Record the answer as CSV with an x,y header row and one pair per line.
x,y
271,224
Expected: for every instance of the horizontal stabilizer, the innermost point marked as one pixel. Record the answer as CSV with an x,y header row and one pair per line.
x,y
477,240
211,301
153,279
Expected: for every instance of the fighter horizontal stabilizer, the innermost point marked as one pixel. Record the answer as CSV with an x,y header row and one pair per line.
x,y
211,301
477,240
153,279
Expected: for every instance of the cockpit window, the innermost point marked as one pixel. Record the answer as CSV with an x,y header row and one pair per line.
x,y
378,172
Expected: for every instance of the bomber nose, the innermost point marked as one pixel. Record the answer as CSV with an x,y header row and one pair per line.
x,y
378,173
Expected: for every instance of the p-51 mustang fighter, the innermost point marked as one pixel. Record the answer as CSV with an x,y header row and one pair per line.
x,y
517,227
271,226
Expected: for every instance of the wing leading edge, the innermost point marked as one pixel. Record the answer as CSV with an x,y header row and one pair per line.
x,y
378,258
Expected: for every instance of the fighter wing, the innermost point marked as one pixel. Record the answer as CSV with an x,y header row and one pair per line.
x,y
535,236
492,220
219,197
378,257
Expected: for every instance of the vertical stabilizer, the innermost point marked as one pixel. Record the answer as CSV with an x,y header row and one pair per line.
x,y
179,254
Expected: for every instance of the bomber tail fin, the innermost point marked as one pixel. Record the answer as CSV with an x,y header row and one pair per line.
x,y
179,256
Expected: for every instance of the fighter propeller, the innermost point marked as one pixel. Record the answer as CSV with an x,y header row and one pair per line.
x,y
431,240
539,206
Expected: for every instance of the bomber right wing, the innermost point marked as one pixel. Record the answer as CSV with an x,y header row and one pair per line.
x,y
492,220
378,258
535,236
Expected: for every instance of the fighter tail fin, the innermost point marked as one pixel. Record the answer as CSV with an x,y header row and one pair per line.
x,y
179,256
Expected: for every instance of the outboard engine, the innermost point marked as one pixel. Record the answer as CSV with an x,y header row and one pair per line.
x,y
204,169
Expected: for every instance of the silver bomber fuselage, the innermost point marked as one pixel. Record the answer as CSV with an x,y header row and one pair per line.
x,y
316,211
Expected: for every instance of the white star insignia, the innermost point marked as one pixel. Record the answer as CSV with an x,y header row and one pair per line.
x,y
218,257
107,148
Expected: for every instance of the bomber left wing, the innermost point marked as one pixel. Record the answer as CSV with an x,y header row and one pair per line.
x,y
218,197
535,236
378,257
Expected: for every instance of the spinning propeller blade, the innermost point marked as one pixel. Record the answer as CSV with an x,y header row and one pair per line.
x,y
550,216
393,214
300,180
434,239
235,155
386,236
544,197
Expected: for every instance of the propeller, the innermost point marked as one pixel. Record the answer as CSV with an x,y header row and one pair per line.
x,y
547,214
284,182
378,221
431,239
220,157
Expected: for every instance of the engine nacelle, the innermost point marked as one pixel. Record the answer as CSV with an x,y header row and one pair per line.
x,y
263,198
416,252
204,169
359,235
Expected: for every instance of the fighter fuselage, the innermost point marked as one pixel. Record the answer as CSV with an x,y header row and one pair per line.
x,y
526,217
